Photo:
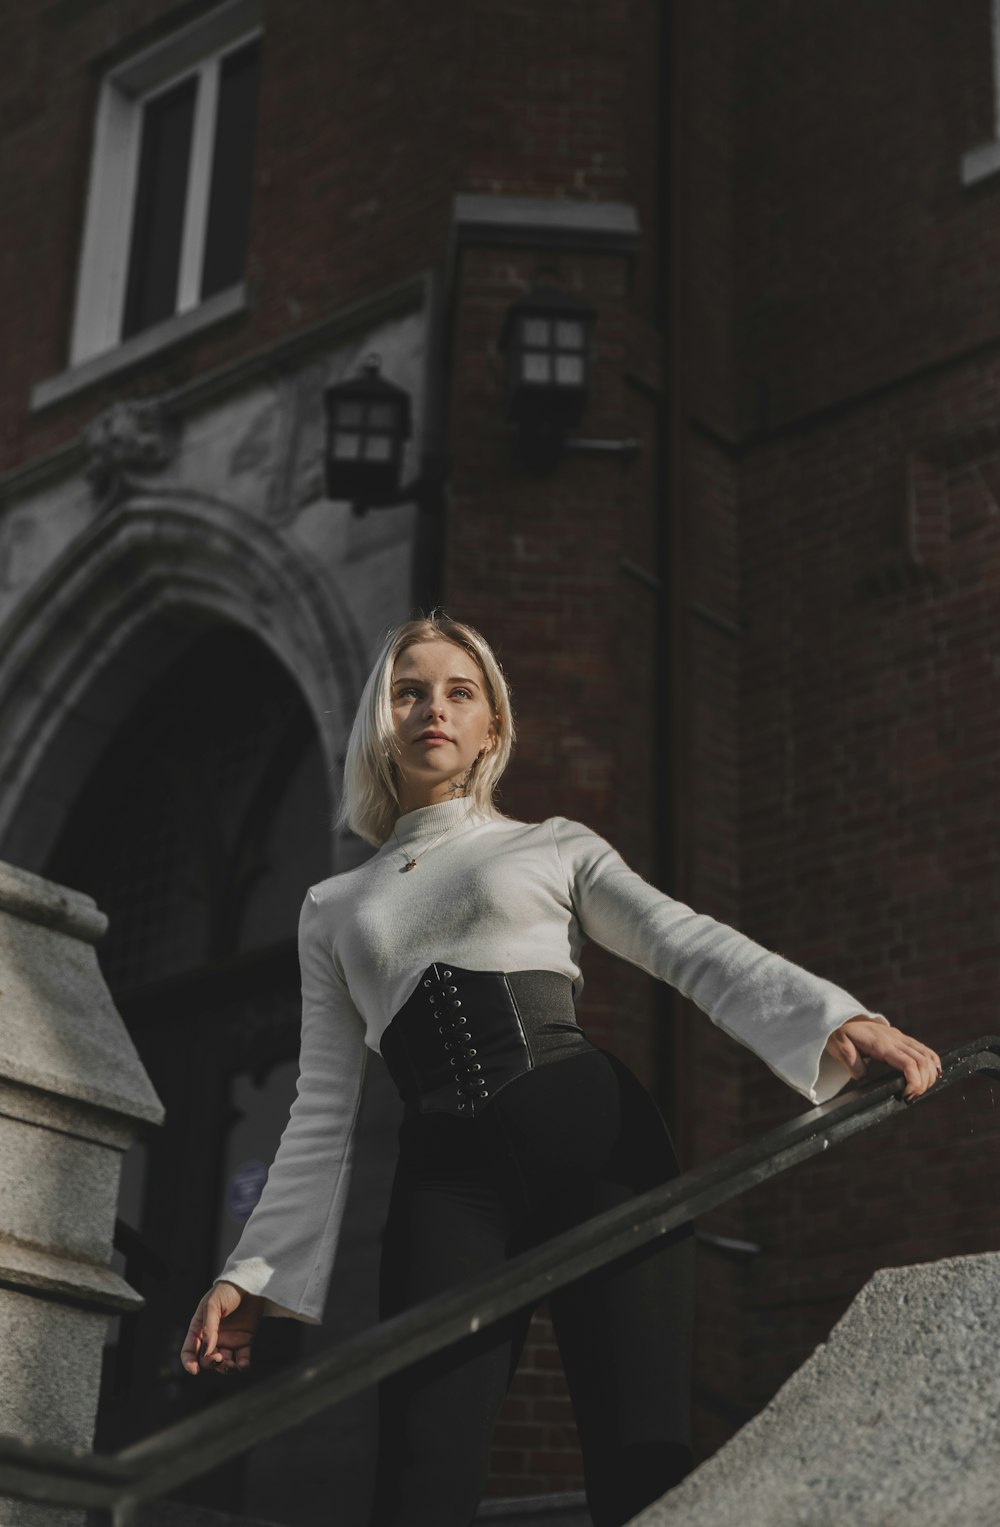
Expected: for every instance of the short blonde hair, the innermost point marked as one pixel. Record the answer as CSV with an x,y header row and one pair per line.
x,y
370,803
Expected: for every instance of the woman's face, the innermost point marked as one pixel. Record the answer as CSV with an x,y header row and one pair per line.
x,y
442,718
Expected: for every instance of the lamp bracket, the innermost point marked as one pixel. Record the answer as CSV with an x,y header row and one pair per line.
x,y
426,491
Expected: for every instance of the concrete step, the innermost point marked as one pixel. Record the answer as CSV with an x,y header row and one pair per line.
x,y
565,1509
558,1509
893,1420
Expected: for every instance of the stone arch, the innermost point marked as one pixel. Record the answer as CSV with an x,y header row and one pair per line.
x,y
116,608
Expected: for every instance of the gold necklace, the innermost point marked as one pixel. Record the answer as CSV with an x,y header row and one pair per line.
x,y
411,862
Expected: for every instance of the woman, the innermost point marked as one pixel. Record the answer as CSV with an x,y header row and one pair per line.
x,y
455,951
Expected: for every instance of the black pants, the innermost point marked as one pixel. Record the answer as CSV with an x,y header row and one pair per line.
x,y
563,1142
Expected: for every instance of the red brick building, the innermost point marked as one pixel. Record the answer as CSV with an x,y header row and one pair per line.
x,y
749,614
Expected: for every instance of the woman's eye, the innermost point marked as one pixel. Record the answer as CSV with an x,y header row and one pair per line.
x,y
466,693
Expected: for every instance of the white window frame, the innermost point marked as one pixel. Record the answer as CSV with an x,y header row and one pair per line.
x,y
196,49
984,160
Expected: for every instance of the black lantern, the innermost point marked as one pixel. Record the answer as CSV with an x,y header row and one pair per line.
x,y
367,425
546,336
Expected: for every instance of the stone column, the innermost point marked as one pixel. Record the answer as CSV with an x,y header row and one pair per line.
x,y
73,1097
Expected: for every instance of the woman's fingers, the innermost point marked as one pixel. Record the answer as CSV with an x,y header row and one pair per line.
x,y
194,1340
210,1357
203,1346
221,1330
920,1065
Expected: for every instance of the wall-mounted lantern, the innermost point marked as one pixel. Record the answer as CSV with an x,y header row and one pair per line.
x,y
368,422
546,337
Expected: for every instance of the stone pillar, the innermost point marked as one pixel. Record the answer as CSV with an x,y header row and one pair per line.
x,y
73,1097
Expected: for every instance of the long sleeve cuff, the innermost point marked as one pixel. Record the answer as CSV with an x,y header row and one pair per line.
x,y
254,1275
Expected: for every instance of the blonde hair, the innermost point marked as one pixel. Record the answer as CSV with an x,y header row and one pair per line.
x,y
370,802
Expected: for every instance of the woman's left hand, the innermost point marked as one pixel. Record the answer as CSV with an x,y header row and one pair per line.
x,y
861,1039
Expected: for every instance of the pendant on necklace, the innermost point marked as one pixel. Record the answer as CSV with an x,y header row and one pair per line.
x,y
410,864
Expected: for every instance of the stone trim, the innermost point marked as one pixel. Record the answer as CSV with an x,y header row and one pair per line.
x,y
141,347
280,354
981,162
20,1099
554,222
35,900
37,1269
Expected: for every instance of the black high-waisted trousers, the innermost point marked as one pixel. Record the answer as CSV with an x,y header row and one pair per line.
x,y
572,1135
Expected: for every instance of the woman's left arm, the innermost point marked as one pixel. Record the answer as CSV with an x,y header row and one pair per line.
x,y
814,1035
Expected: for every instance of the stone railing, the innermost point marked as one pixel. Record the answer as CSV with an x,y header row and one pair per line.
x,y
73,1097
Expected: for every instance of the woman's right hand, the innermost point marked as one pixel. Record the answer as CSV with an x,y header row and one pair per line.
x,y
222,1329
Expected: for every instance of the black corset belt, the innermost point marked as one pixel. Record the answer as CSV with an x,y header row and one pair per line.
x,y
464,1034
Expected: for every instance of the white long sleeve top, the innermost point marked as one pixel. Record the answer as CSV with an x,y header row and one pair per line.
x,y
489,893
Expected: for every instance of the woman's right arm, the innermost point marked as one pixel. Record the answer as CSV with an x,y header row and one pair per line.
x,y
284,1258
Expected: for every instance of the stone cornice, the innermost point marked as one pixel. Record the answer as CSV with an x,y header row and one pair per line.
x,y
552,222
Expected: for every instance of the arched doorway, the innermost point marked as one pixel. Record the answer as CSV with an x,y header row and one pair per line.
x,y
198,830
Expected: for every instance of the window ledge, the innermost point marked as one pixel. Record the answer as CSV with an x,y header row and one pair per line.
x,y
141,347
979,163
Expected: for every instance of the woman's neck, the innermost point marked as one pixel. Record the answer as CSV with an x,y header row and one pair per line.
x,y
413,795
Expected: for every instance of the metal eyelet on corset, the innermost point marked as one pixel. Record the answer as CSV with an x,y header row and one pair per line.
x,y
452,989
447,975
456,1001
427,983
475,1066
471,1051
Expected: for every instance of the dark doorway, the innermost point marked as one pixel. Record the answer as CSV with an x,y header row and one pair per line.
x,y
197,832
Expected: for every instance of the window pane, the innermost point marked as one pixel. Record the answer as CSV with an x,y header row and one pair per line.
x,y
232,171
569,370
346,447
161,193
536,331
382,415
569,334
535,368
378,448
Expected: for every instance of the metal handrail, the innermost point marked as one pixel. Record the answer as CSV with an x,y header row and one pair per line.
x,y
117,1482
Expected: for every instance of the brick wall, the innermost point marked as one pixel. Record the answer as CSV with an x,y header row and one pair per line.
x,y
858,449
870,747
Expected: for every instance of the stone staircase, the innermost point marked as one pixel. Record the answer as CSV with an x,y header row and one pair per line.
x,y
893,1420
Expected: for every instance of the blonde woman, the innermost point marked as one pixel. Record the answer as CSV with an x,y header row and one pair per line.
x,y
454,952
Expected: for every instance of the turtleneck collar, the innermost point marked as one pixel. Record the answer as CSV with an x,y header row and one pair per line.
x,y
428,821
